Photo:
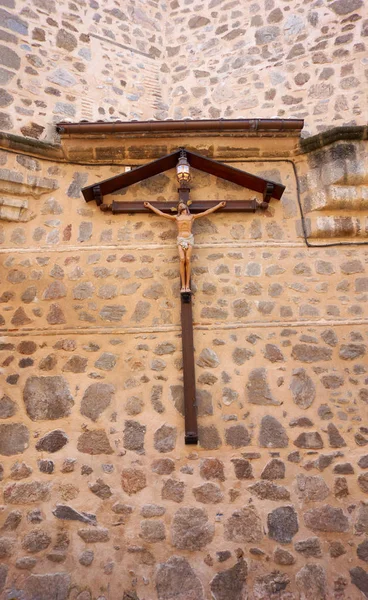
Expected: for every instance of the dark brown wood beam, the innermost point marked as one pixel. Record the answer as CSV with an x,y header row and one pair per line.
x,y
238,176
268,192
190,406
119,182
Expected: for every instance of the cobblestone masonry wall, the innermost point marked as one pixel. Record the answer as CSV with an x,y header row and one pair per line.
x,y
269,58
149,59
100,497
77,60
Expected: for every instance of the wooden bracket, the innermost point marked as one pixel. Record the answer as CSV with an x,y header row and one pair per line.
x,y
268,191
97,195
186,297
191,437
267,195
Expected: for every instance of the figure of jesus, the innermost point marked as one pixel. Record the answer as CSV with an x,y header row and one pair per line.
x,y
185,240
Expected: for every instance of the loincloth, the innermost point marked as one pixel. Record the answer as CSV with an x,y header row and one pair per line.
x,y
185,242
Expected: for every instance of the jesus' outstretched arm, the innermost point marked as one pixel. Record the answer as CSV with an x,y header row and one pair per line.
x,y
159,212
210,210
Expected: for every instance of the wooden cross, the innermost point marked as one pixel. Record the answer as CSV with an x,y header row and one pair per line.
x,y
265,187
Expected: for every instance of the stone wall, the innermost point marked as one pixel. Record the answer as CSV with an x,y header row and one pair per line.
x,y
77,60
101,499
97,60
269,59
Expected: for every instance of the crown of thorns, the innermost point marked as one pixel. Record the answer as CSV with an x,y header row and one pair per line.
x,y
186,204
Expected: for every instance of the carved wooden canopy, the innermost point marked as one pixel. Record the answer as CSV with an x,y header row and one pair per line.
x,y
269,189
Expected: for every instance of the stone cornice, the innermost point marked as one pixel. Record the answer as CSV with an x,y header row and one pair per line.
x,y
86,156
15,209
31,147
330,136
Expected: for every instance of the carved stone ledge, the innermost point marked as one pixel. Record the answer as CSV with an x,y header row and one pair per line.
x,y
330,136
337,226
14,209
340,197
16,189
13,182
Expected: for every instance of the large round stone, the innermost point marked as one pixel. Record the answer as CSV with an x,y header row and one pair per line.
x,y
363,482
326,518
96,399
282,524
208,358
92,535
275,469
176,580
309,439
311,582
237,436
44,587
8,407
47,398
302,388
52,441
362,551
3,576
94,442
209,437
133,480
272,434
230,584
311,488
258,390
14,438
27,493
153,531
244,526
165,438
359,577
361,522
208,493
267,490
190,529
133,436
36,540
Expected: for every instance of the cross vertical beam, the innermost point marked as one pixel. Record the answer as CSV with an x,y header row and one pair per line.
x,y
190,407
183,192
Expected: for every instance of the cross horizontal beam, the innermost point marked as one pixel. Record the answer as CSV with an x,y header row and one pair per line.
x,y
118,208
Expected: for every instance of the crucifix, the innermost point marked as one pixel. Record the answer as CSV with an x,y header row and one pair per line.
x,y
186,213
185,240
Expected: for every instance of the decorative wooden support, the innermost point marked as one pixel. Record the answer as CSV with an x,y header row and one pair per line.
x,y
268,192
97,195
197,161
190,404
